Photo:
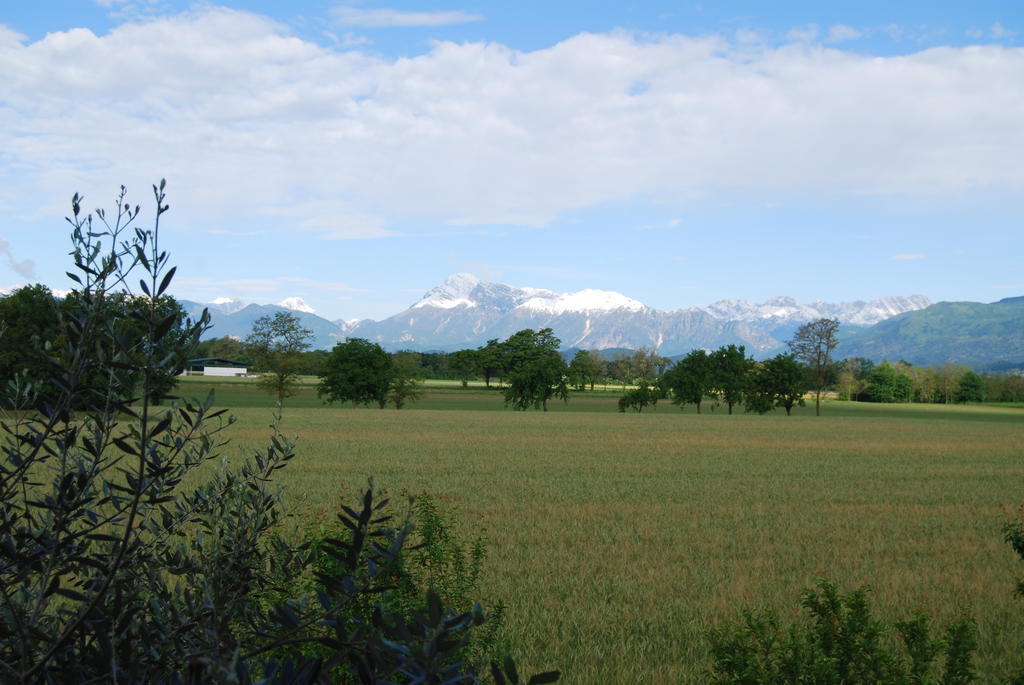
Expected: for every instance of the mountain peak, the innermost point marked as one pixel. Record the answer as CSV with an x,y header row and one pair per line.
x,y
454,292
228,305
296,304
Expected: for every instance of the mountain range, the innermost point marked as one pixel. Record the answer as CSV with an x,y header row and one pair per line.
x,y
466,311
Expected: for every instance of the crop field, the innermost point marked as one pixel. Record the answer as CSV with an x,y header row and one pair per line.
x,y
617,540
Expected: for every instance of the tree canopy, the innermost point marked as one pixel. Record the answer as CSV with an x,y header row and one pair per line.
x,y
356,371
690,379
536,371
813,344
275,344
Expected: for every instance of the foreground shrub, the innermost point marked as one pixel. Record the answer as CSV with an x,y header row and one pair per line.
x,y
112,570
841,644
435,561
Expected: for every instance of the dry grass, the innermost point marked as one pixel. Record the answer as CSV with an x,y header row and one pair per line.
x,y
617,539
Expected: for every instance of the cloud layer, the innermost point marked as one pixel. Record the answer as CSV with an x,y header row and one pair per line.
x,y
252,124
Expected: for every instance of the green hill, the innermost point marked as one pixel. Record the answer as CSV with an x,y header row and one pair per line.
x,y
983,336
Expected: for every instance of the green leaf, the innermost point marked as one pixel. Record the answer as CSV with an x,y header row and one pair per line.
x,y
166,281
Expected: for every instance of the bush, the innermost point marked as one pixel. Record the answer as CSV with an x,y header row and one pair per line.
x,y
113,570
642,396
435,560
843,643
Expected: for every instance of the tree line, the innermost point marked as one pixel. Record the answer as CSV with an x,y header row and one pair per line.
x,y
527,367
863,380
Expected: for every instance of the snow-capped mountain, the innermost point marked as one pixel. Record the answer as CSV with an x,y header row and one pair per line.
x,y
786,310
466,290
465,311
228,305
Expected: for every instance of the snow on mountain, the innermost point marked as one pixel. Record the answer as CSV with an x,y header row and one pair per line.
x,y
465,311
228,305
785,310
296,304
466,290
347,325
588,300
454,292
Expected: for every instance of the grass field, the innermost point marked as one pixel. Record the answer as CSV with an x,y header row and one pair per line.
x,y
617,540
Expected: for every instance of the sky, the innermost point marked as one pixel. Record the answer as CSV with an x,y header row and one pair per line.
x,y
355,154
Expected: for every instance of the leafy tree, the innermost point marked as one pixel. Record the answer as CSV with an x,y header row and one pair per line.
x,y
31,333
465,363
620,368
690,379
643,395
536,371
584,369
852,377
776,382
647,365
226,347
729,373
275,344
813,344
492,360
406,385
885,384
970,388
948,376
357,371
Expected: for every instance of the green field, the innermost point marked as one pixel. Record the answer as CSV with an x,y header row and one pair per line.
x,y
617,540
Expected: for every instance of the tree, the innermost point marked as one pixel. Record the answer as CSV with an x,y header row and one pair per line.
x,y
690,379
813,344
647,365
536,371
643,395
275,344
948,376
729,373
465,363
31,332
357,371
776,382
886,384
852,377
492,360
584,369
406,385
970,388
226,347
620,368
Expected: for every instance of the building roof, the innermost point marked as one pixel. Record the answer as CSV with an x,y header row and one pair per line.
x,y
215,361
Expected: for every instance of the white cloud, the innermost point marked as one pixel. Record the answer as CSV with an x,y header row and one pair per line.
x,y
999,31
670,224
974,33
258,130
907,256
24,268
842,32
803,34
346,15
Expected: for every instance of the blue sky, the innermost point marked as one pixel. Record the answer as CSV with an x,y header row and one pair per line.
x,y
355,154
